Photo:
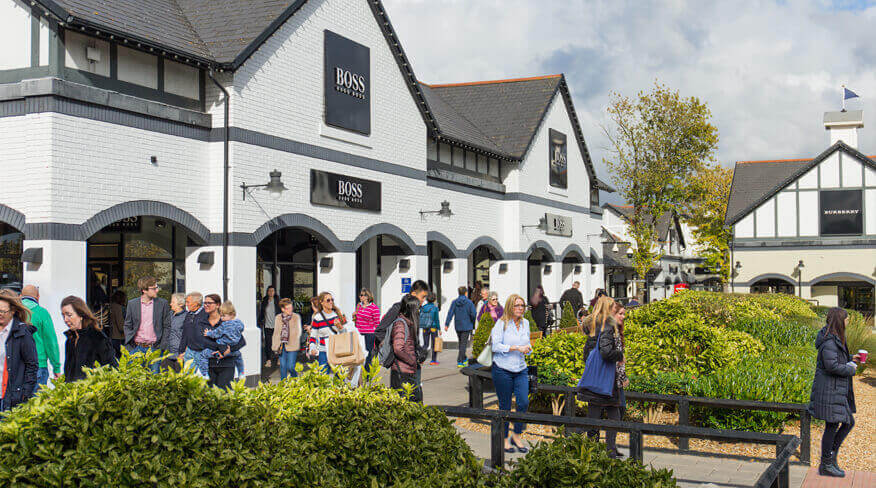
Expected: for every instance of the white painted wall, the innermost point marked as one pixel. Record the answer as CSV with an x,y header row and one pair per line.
x,y
15,30
76,53
786,203
181,79
765,219
829,171
870,213
138,67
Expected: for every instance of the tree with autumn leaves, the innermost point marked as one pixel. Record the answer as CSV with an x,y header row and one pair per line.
x,y
705,214
662,149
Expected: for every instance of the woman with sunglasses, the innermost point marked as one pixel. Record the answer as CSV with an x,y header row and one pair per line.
x,y
510,342
367,317
325,322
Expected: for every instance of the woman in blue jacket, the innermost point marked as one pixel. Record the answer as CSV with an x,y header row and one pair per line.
x,y
430,324
20,366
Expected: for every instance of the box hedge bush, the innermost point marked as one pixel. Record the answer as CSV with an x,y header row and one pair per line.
x,y
128,427
575,461
481,334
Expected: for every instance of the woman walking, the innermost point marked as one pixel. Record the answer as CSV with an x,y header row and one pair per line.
x,y
286,340
405,346
493,307
269,309
86,342
20,359
430,324
326,322
367,317
538,303
510,342
833,398
605,337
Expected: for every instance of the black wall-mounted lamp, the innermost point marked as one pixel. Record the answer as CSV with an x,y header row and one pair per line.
x,y
275,186
444,212
542,224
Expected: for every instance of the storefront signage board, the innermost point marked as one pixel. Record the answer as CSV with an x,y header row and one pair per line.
x,y
841,212
559,177
347,80
405,285
558,225
130,224
344,191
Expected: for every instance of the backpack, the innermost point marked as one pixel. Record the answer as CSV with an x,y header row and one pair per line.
x,y
385,355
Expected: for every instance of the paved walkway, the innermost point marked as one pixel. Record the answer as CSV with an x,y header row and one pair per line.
x,y
444,385
853,479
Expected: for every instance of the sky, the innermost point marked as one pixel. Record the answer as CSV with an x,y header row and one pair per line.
x,y
768,70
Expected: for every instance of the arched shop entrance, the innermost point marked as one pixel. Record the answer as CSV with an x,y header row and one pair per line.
x,y
11,241
852,291
773,285
535,268
480,261
380,261
287,260
121,253
438,251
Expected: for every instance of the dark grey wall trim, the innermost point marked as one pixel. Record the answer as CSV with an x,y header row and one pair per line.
x,y
12,217
401,237
320,231
490,243
843,277
804,244
512,196
51,231
576,249
131,89
446,244
16,75
34,39
259,139
146,207
544,246
767,276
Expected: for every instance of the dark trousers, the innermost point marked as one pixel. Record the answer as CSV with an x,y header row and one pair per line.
x,y
222,374
429,336
397,379
369,346
117,347
611,413
267,353
508,383
834,435
463,344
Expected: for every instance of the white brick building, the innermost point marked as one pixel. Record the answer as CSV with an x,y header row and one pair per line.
x,y
113,131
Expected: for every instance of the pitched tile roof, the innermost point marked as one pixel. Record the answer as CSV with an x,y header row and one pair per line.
x,y
663,223
214,31
756,181
507,112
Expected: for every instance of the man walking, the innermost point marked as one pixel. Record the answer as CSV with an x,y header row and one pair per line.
x,y
573,296
147,317
45,337
463,310
419,289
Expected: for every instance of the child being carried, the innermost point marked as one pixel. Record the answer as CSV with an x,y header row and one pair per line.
x,y
227,333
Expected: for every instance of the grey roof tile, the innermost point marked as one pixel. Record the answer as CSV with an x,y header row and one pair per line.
x,y
453,125
753,179
507,112
662,225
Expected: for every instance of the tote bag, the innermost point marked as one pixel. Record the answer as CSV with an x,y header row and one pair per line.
x,y
439,345
485,358
598,374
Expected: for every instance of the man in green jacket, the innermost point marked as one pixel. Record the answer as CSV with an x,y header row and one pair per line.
x,y
45,337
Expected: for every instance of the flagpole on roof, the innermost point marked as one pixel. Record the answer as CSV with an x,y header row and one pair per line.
x,y
844,97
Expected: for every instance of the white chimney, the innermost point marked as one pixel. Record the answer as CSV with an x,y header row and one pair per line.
x,y
843,126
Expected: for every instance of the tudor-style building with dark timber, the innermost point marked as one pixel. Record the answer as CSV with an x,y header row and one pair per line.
x,y
808,226
227,146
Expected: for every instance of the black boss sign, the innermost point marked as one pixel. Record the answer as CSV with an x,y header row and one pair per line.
x,y
343,191
347,84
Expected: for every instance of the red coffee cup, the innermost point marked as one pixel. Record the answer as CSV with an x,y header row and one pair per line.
x,y
862,353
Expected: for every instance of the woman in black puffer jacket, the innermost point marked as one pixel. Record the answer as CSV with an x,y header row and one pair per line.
x,y
832,398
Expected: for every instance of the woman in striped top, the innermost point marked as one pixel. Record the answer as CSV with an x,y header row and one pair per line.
x,y
367,317
325,323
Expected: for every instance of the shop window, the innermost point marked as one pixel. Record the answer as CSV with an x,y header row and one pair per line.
x,y
11,242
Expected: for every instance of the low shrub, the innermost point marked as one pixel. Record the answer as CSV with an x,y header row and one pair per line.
x,y
781,332
481,334
567,319
782,376
562,354
686,346
859,335
128,427
575,461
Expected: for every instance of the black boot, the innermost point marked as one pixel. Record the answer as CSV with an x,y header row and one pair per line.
x,y
827,468
833,456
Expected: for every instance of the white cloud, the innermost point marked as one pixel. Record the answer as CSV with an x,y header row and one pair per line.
x,y
768,70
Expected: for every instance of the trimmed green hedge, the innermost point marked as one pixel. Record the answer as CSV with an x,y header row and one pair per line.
x,y
128,427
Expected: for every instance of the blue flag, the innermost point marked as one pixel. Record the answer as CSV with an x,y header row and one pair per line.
x,y
847,94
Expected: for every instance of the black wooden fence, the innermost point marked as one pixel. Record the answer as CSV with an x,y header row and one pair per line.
x,y
477,378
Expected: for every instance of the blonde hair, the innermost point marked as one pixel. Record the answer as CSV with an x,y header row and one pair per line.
x,y
227,308
509,307
601,312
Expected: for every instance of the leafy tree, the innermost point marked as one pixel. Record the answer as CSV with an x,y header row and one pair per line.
x,y
705,213
658,142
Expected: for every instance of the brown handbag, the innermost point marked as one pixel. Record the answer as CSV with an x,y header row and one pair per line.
x,y
344,349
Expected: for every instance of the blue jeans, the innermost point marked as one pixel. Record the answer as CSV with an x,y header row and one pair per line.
x,y
199,361
238,365
287,364
323,363
508,383
154,367
42,379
